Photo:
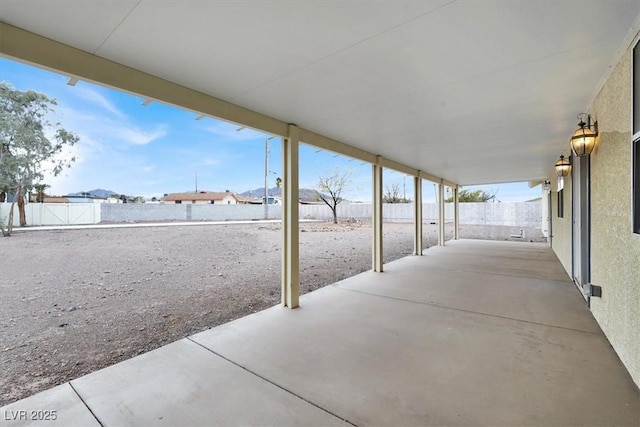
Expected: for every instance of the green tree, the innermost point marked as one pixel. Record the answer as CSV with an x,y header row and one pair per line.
x,y
477,196
40,192
26,152
330,188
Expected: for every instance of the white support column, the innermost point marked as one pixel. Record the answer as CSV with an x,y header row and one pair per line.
x,y
377,217
290,220
441,213
417,215
456,213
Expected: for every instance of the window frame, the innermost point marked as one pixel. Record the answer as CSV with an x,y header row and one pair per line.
x,y
635,140
635,92
560,203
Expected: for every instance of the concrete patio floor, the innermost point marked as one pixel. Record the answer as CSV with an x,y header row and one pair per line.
x,y
473,333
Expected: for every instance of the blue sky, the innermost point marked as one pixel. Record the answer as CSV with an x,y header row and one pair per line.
x,y
156,149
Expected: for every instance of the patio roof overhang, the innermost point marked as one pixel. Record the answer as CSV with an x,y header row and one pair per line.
x,y
472,92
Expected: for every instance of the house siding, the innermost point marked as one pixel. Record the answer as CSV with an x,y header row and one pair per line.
x,y
561,229
615,250
228,200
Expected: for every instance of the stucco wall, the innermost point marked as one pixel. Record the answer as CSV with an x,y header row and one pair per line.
x,y
615,250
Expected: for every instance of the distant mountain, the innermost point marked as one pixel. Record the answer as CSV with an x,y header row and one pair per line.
x,y
305,193
98,192
308,194
259,192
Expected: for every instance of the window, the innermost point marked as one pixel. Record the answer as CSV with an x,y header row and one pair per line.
x,y
636,139
560,189
561,203
178,202
636,186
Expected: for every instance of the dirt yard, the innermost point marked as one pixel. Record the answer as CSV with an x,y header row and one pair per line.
x,y
74,301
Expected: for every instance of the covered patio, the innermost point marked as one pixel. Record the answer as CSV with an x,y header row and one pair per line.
x,y
472,333
452,92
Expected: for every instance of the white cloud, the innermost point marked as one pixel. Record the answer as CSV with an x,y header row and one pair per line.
x,y
140,137
105,127
208,161
99,99
230,131
148,168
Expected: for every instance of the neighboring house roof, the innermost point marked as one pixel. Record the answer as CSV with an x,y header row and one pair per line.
x,y
248,200
199,196
54,199
220,195
76,196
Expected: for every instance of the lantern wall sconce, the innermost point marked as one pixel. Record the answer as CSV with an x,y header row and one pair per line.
x,y
563,166
584,139
546,186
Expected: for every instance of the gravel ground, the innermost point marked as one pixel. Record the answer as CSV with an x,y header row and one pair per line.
x,y
74,301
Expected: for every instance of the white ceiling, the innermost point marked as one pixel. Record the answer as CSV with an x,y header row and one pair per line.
x,y
473,91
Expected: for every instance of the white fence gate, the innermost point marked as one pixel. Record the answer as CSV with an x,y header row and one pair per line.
x,y
53,213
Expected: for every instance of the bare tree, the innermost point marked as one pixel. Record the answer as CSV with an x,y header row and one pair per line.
x,y
330,189
478,196
392,195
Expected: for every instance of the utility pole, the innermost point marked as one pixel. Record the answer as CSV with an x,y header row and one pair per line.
x,y
266,177
266,172
404,189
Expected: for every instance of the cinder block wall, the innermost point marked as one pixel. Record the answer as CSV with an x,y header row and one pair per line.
x,y
510,214
523,214
233,212
129,212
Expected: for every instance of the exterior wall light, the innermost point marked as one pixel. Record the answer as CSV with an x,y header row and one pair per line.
x,y
584,139
563,166
546,186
